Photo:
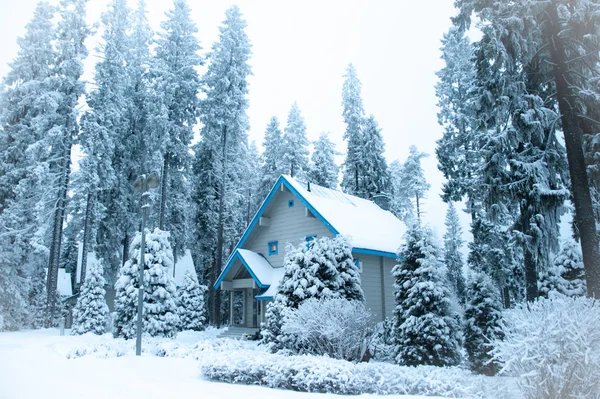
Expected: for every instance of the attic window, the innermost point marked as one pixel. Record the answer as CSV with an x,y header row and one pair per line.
x,y
308,240
358,265
290,203
273,248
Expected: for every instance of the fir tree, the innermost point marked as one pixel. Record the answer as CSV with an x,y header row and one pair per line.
x,y
323,171
354,114
426,329
159,309
190,303
413,179
452,257
295,144
566,276
272,157
400,205
375,177
483,313
38,298
176,85
322,269
91,312
222,155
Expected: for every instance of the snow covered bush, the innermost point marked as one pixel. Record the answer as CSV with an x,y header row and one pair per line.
x,y
160,311
90,312
325,375
323,269
566,275
335,327
427,331
483,312
383,345
553,347
190,303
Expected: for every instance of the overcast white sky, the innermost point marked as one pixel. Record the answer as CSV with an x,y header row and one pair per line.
x,y
300,52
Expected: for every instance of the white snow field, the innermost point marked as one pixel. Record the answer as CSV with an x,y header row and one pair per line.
x,y
43,364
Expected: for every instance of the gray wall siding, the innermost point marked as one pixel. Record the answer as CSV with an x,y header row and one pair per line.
x,y
285,225
371,284
390,301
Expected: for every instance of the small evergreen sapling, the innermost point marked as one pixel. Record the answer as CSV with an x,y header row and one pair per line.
x,y
566,276
426,329
90,312
190,303
483,314
160,311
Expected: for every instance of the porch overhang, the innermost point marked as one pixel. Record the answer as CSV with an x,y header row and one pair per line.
x,y
262,272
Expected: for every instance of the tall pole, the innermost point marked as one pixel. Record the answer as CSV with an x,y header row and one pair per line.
x,y
142,184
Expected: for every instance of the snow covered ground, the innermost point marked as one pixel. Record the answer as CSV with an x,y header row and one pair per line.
x,y
40,363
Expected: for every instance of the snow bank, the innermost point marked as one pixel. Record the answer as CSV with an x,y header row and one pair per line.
x,y
326,375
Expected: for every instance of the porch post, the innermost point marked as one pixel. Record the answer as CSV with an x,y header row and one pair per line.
x,y
231,308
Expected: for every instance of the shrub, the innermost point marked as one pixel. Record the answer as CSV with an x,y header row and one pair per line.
x,y
553,346
335,327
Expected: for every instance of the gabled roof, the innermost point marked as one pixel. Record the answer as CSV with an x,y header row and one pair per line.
x,y
263,273
369,228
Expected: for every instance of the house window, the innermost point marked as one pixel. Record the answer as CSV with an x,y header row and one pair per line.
x,y
308,240
358,265
273,248
290,203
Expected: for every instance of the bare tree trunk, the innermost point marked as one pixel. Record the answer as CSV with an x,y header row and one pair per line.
x,y
220,230
163,192
584,214
86,234
55,247
531,275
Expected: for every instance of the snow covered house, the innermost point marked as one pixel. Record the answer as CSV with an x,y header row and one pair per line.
x,y
296,212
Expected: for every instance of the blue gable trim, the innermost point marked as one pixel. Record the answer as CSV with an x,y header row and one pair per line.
x,y
280,181
376,253
265,298
236,255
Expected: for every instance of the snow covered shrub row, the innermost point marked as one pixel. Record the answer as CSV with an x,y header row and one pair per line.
x,y
325,375
336,327
553,346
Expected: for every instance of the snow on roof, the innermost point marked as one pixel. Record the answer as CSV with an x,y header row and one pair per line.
x,y
184,264
364,223
272,290
260,267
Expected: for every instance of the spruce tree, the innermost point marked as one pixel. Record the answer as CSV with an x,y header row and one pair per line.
x,y
159,307
354,115
272,166
323,170
176,86
295,144
91,312
375,177
452,257
191,307
222,154
483,313
413,180
566,275
426,329
400,205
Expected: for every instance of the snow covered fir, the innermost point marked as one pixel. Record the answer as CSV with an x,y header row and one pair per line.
x,y
446,250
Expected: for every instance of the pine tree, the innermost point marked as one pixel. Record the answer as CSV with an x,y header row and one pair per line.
x,y
176,85
483,313
295,144
452,257
566,276
222,155
38,298
27,113
323,171
190,303
323,268
272,157
413,179
400,205
374,177
160,311
91,312
426,329
354,115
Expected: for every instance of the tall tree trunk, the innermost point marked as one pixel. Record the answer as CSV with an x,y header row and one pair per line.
x,y
125,248
163,192
584,215
531,275
59,217
220,230
86,234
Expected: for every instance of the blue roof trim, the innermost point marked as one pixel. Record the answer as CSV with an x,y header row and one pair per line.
x,y
230,262
281,180
376,253
264,298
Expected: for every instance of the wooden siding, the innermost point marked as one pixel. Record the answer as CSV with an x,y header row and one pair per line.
x,y
390,301
285,225
371,284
